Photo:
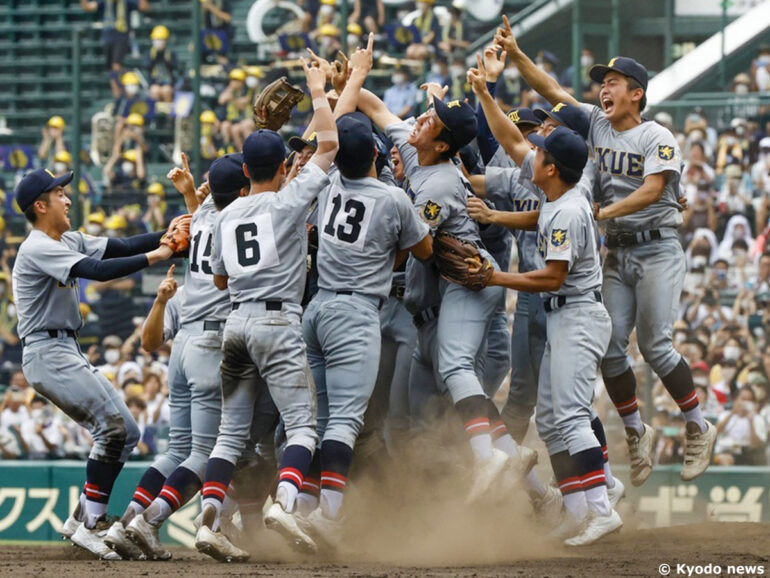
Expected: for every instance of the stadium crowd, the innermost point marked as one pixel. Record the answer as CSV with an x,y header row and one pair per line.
x,y
724,319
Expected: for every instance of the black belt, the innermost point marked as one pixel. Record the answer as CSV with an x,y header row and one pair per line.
x,y
426,315
269,305
621,240
562,300
380,302
51,333
397,291
211,325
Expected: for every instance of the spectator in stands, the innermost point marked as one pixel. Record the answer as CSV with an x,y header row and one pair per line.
x,y
700,212
370,14
741,433
439,71
42,431
95,224
327,39
154,217
138,408
401,97
210,138
158,412
706,309
760,178
588,90
328,15
126,101
10,347
430,32
217,19
115,17
735,196
130,175
234,103
161,66
53,140
453,37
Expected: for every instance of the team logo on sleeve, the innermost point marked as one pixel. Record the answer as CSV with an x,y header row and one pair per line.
x,y
665,152
430,212
559,240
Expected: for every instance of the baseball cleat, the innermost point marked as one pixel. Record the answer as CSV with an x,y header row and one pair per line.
x,y
596,528
523,462
486,473
117,540
325,531
697,450
90,541
217,546
568,527
616,493
639,451
279,520
548,508
145,535
69,527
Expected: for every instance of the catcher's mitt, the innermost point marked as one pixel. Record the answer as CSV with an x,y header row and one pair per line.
x,y
460,262
276,101
177,236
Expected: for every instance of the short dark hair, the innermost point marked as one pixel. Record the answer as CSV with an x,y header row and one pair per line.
x,y
263,174
222,200
633,84
30,213
357,171
446,136
566,174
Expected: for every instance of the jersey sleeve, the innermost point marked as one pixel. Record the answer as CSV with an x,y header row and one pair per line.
x,y
89,245
661,151
594,113
171,317
502,184
413,229
435,207
399,132
564,238
303,189
526,166
53,258
216,259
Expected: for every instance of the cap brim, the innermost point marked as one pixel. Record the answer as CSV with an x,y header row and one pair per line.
x,y
441,111
537,140
297,144
538,122
62,181
598,71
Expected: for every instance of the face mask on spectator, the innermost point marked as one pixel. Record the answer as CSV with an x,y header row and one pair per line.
x,y
731,352
679,337
435,69
457,71
398,78
749,406
162,359
132,90
720,274
93,229
127,167
701,381
60,168
586,61
158,44
511,73
699,262
112,356
741,89
252,81
763,60
696,136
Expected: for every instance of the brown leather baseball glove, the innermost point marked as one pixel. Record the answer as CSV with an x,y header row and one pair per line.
x,y
177,236
273,106
460,261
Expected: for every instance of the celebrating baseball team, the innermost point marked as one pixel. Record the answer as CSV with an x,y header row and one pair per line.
x,y
357,288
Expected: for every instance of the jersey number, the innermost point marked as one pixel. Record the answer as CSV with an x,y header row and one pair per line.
x,y
203,265
247,244
355,211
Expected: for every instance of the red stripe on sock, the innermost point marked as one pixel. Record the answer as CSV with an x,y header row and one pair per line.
x,y
690,401
477,426
627,407
143,497
292,475
333,480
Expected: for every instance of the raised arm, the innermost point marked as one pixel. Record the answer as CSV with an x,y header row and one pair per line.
x,y
326,128
506,132
360,64
539,80
185,184
375,109
152,332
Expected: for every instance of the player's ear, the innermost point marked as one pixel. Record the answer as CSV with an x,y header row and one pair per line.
x,y
244,192
440,146
246,171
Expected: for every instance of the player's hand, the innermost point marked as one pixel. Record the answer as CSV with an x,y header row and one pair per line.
x,y
494,62
321,63
597,210
362,58
315,77
477,77
340,73
682,204
434,90
202,192
182,178
168,287
479,211
504,38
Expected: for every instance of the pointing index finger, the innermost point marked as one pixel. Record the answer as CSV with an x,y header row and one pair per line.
x,y
170,274
370,43
507,24
185,164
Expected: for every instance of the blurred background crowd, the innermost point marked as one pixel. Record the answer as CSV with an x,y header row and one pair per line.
x,y
141,119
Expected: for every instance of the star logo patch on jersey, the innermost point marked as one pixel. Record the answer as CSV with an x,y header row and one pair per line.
x,y
559,240
665,152
431,211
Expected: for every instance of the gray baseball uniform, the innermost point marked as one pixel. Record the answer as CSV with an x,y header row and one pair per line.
x,y
260,243
578,325
364,223
440,198
48,309
643,282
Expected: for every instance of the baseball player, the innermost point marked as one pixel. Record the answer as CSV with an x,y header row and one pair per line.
x,y
45,284
638,166
578,329
364,223
452,321
198,347
259,254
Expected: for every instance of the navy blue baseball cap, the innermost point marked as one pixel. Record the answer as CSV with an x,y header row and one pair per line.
x,y
624,65
297,143
263,148
523,115
356,142
226,175
569,115
459,118
565,145
36,183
